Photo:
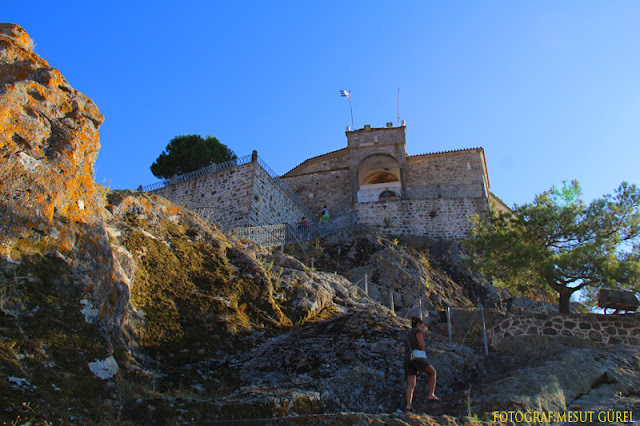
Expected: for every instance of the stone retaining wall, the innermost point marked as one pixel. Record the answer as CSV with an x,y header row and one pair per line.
x,y
608,329
240,196
270,204
228,193
444,218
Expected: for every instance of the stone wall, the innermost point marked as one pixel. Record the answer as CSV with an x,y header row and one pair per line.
x,y
456,169
323,181
446,218
227,195
441,190
271,204
608,329
242,195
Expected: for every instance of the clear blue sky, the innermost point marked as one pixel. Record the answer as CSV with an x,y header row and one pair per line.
x,y
550,90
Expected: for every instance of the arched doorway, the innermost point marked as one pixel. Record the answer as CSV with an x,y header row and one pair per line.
x,y
376,174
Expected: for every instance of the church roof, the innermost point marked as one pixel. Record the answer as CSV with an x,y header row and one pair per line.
x,y
317,157
445,152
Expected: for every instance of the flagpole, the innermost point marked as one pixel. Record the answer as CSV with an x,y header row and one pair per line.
x,y
398,107
347,94
351,109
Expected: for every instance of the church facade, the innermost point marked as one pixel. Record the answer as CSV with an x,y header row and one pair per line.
x,y
374,178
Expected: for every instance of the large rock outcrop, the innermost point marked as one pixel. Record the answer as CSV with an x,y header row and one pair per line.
x,y
416,273
48,144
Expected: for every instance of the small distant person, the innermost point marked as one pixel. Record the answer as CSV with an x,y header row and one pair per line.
x,y
415,340
324,218
302,227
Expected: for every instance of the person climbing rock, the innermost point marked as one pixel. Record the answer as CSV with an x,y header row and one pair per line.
x,y
414,340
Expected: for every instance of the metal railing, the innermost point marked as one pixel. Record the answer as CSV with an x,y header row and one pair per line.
x,y
482,325
214,168
285,233
207,213
266,236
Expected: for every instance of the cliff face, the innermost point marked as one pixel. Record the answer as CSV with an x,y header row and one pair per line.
x,y
122,308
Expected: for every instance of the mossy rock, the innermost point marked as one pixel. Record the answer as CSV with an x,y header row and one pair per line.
x,y
47,346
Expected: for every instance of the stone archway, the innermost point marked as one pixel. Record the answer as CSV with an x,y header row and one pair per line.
x,y
376,174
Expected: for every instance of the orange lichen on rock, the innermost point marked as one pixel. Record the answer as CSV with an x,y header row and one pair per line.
x,y
49,142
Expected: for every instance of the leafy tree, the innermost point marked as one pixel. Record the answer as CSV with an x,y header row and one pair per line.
x,y
558,243
188,153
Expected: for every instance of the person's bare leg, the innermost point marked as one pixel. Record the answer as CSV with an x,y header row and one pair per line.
x,y
411,385
433,375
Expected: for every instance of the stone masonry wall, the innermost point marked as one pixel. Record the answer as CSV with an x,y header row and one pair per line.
x,y
270,203
457,167
239,196
440,190
227,195
436,218
608,329
322,181
448,175
320,189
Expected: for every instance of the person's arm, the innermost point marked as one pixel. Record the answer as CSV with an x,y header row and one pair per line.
x,y
420,339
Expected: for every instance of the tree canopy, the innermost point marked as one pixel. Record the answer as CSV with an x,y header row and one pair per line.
x,y
559,243
188,153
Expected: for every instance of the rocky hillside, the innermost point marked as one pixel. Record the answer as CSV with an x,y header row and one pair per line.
x,y
117,307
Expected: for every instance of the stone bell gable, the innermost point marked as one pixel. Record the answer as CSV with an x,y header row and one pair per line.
x,y
373,177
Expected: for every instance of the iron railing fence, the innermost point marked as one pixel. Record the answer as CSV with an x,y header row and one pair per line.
x,y
275,235
209,214
266,236
214,168
458,319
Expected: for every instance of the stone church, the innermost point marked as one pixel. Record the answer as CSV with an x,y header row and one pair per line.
x,y
372,178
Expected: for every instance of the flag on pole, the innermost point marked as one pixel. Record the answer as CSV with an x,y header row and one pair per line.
x,y
347,94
